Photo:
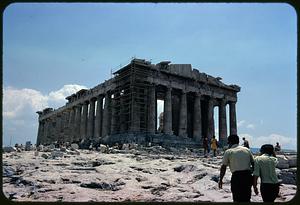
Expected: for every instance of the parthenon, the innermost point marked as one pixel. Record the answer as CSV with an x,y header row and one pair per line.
x,y
124,108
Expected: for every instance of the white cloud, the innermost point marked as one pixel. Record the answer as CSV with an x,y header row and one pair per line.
x,y
57,98
250,126
16,101
244,123
20,106
258,141
241,123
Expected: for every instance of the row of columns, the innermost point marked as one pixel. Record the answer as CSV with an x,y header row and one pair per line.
x,y
90,121
197,121
82,121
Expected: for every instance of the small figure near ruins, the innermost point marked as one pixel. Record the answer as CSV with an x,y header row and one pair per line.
x,y
277,147
214,145
205,146
246,143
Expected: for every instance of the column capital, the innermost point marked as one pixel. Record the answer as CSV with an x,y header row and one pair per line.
x,y
93,99
198,94
100,96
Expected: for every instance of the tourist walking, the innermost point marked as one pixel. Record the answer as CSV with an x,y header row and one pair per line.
x,y
264,167
240,161
205,146
214,145
246,143
277,147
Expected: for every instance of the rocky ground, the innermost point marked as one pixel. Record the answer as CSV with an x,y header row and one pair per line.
x,y
148,174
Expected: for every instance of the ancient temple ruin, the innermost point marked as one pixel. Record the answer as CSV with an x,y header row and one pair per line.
x,y
124,108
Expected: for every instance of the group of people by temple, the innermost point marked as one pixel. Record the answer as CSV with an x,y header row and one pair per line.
x,y
246,169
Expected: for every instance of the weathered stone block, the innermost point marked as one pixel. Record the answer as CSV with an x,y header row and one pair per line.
x,y
283,162
9,149
103,148
56,153
74,146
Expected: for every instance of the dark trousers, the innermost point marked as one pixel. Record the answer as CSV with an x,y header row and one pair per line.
x,y
241,182
269,192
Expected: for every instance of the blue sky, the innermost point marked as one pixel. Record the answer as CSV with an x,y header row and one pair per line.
x,y
51,50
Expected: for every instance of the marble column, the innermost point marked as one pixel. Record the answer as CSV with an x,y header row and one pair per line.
x,y
91,119
123,122
77,122
222,123
98,119
51,135
135,116
58,126
71,126
167,123
151,110
83,121
183,116
46,130
65,125
40,133
210,120
232,116
197,131
106,116
113,125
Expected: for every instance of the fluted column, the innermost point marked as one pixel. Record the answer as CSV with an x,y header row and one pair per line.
x,y
51,135
232,111
167,125
98,119
71,126
135,116
65,124
222,123
151,110
77,122
83,122
183,116
123,122
197,131
91,123
46,131
113,124
210,119
40,133
58,127
106,116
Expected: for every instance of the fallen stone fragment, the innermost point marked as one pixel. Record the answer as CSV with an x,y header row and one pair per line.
x,y
8,171
44,155
9,149
57,153
185,168
102,186
283,162
74,146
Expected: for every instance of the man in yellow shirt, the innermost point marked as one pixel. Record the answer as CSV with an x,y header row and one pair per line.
x,y
214,145
240,161
264,167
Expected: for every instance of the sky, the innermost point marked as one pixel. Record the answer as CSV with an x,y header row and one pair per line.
x,y
51,50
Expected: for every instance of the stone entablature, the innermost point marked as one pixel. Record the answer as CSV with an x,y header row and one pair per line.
x,y
126,103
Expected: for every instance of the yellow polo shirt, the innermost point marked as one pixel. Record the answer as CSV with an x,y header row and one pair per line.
x,y
238,158
264,167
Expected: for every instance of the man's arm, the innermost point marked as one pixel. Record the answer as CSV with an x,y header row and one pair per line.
x,y
255,184
222,173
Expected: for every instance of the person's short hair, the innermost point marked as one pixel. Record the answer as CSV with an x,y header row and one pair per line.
x,y
233,139
267,149
243,138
